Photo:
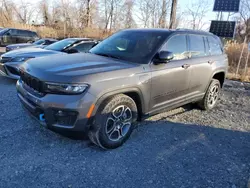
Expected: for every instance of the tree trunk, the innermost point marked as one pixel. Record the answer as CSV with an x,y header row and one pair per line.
x,y
172,24
88,14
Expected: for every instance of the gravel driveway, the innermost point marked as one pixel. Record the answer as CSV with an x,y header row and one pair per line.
x,y
182,148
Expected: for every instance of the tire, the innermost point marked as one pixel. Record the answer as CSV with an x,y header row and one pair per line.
x,y
114,122
212,95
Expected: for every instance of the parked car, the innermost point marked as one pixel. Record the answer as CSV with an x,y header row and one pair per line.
x,y
129,76
11,61
15,36
37,44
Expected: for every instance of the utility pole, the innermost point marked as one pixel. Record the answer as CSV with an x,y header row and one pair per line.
x,y
172,24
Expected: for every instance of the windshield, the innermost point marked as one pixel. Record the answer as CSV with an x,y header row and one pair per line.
x,y
61,45
39,42
3,31
131,45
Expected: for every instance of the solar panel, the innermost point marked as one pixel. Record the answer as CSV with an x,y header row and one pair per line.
x,y
223,28
227,5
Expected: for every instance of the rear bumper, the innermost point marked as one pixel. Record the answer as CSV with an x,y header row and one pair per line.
x,y
58,111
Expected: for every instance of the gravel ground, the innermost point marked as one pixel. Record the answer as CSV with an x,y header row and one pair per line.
x,y
182,148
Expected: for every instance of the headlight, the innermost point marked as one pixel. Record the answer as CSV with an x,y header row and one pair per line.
x,y
20,59
66,88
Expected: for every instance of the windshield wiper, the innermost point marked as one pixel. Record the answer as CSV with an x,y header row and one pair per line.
x,y
107,55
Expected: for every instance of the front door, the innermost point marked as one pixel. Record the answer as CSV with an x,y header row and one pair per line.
x,y
170,81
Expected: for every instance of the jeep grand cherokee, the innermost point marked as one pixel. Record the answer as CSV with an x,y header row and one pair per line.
x,y
131,75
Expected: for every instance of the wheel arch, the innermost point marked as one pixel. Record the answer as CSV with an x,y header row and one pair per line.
x,y
134,93
221,76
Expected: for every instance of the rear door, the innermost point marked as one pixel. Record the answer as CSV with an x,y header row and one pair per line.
x,y
170,81
20,36
201,68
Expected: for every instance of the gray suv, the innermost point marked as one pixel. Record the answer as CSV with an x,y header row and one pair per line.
x,y
129,76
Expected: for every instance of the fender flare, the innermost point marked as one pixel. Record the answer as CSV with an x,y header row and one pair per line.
x,y
108,94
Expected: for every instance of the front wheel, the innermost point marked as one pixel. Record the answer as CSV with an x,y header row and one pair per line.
x,y
212,95
114,122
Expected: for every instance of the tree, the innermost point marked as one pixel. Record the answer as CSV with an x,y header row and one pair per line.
x,y
24,12
44,7
243,28
128,9
197,11
172,24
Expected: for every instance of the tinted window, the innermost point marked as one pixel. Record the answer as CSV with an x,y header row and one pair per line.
x,y
39,42
48,42
33,34
215,46
178,46
3,31
131,45
84,47
197,46
61,45
13,32
21,33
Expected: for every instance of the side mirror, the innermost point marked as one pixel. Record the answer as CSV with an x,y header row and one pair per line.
x,y
163,57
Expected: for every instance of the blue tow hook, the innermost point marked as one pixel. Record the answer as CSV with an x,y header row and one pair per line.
x,y
42,118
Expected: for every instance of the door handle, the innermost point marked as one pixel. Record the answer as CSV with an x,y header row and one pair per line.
x,y
185,66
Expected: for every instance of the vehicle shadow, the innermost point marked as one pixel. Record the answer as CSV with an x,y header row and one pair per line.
x,y
197,154
7,81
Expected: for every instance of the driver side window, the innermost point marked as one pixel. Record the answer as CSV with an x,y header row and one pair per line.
x,y
178,46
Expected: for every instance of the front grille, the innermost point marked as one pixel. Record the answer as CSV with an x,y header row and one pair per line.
x,y
36,85
5,59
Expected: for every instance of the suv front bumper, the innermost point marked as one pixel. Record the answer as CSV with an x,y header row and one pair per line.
x,y
58,111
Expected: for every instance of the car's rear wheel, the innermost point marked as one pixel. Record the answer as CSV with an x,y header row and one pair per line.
x,y
114,122
212,95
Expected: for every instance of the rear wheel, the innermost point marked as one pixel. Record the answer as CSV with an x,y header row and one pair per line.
x,y
212,95
114,122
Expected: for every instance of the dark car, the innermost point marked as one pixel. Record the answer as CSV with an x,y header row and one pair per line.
x,y
129,76
15,36
37,44
11,61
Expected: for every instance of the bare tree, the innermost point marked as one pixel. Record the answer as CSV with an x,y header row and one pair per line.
x,y
24,11
6,12
172,23
128,17
44,7
197,11
163,15
243,28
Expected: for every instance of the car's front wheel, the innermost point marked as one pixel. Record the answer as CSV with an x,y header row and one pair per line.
x,y
114,122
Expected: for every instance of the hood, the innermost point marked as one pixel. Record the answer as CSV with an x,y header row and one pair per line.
x,y
72,67
22,45
30,52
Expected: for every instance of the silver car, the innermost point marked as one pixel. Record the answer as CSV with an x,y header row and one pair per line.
x,y
11,61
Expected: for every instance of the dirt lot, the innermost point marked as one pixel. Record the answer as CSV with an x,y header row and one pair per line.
x,y
183,148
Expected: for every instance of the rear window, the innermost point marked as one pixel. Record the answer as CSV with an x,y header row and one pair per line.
x,y
197,46
215,46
